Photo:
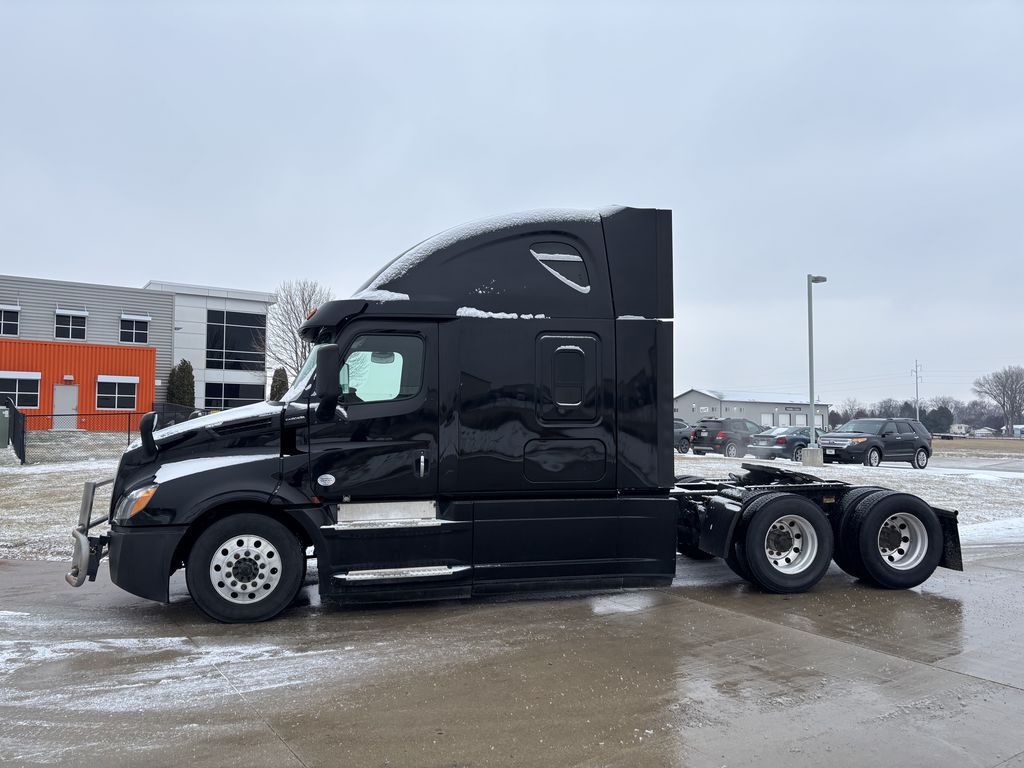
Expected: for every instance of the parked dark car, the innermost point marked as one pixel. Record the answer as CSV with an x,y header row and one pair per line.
x,y
729,437
781,443
682,435
872,441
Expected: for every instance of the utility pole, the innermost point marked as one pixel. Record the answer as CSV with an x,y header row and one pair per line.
x,y
916,373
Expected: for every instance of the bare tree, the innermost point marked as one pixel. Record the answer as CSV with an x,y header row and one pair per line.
x,y
295,300
850,407
886,408
956,407
1006,389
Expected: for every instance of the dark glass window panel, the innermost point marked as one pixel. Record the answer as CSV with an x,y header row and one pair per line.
x,y
7,386
27,400
106,388
214,390
106,401
29,385
248,319
242,339
127,337
9,329
127,325
214,337
77,322
215,316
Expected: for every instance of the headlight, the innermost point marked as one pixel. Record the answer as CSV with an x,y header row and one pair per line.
x,y
857,440
133,503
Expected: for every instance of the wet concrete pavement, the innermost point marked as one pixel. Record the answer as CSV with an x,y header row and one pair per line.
x,y
707,672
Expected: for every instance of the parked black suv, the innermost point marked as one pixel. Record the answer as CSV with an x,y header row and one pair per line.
x,y
872,441
726,436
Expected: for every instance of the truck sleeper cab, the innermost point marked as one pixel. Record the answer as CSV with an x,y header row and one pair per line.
x,y
492,411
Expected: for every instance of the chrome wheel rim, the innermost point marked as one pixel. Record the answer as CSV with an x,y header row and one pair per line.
x,y
245,569
798,454
874,458
902,542
730,451
922,458
791,544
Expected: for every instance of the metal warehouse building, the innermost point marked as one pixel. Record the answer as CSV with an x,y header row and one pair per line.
x,y
769,410
80,348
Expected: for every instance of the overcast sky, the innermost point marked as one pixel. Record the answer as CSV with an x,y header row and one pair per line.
x,y
239,144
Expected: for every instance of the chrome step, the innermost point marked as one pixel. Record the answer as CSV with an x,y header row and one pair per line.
x,y
364,525
387,574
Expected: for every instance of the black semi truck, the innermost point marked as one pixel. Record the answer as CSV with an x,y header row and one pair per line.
x,y
492,411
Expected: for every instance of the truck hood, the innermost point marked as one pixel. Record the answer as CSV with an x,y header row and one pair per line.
x,y
230,416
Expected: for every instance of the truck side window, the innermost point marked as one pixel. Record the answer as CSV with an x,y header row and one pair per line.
x,y
382,367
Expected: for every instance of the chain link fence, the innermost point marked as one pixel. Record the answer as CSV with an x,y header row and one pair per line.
x,y
53,438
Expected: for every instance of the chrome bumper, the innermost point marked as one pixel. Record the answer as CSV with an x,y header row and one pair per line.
x,y
89,550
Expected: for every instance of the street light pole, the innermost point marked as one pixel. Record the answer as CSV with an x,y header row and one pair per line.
x,y
811,280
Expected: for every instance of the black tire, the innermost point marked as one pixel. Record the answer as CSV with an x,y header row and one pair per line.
x,y
847,552
731,451
798,453
920,460
870,521
683,446
873,457
798,524
262,545
736,559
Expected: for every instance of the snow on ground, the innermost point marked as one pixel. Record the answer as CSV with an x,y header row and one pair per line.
x,y
39,505
979,496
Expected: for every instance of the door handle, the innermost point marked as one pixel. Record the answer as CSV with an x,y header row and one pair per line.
x,y
421,465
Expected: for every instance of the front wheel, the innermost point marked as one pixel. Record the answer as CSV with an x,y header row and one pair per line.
x,y
245,568
920,460
873,458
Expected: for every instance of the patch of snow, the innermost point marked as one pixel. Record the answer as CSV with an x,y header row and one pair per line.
x,y
406,261
570,348
473,312
179,469
251,411
378,295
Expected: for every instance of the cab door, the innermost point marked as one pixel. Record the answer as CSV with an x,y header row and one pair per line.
x,y
892,443
382,442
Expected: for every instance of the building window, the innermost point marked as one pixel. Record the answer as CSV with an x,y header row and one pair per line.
x,y
21,387
134,331
116,393
235,341
9,321
69,327
233,395
767,420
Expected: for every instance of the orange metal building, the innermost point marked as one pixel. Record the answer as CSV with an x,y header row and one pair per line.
x,y
75,373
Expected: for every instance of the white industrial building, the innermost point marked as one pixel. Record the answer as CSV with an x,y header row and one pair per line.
x,y
767,409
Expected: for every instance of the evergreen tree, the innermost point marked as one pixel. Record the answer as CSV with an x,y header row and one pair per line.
x,y
278,384
181,385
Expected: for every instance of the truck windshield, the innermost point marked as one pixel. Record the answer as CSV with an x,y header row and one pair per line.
x,y
302,379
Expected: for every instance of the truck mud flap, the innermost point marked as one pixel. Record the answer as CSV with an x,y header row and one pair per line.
x,y
719,519
952,557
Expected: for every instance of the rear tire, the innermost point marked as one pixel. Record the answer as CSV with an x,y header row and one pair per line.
x,y
683,446
798,454
731,450
847,550
787,544
920,460
245,568
899,538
